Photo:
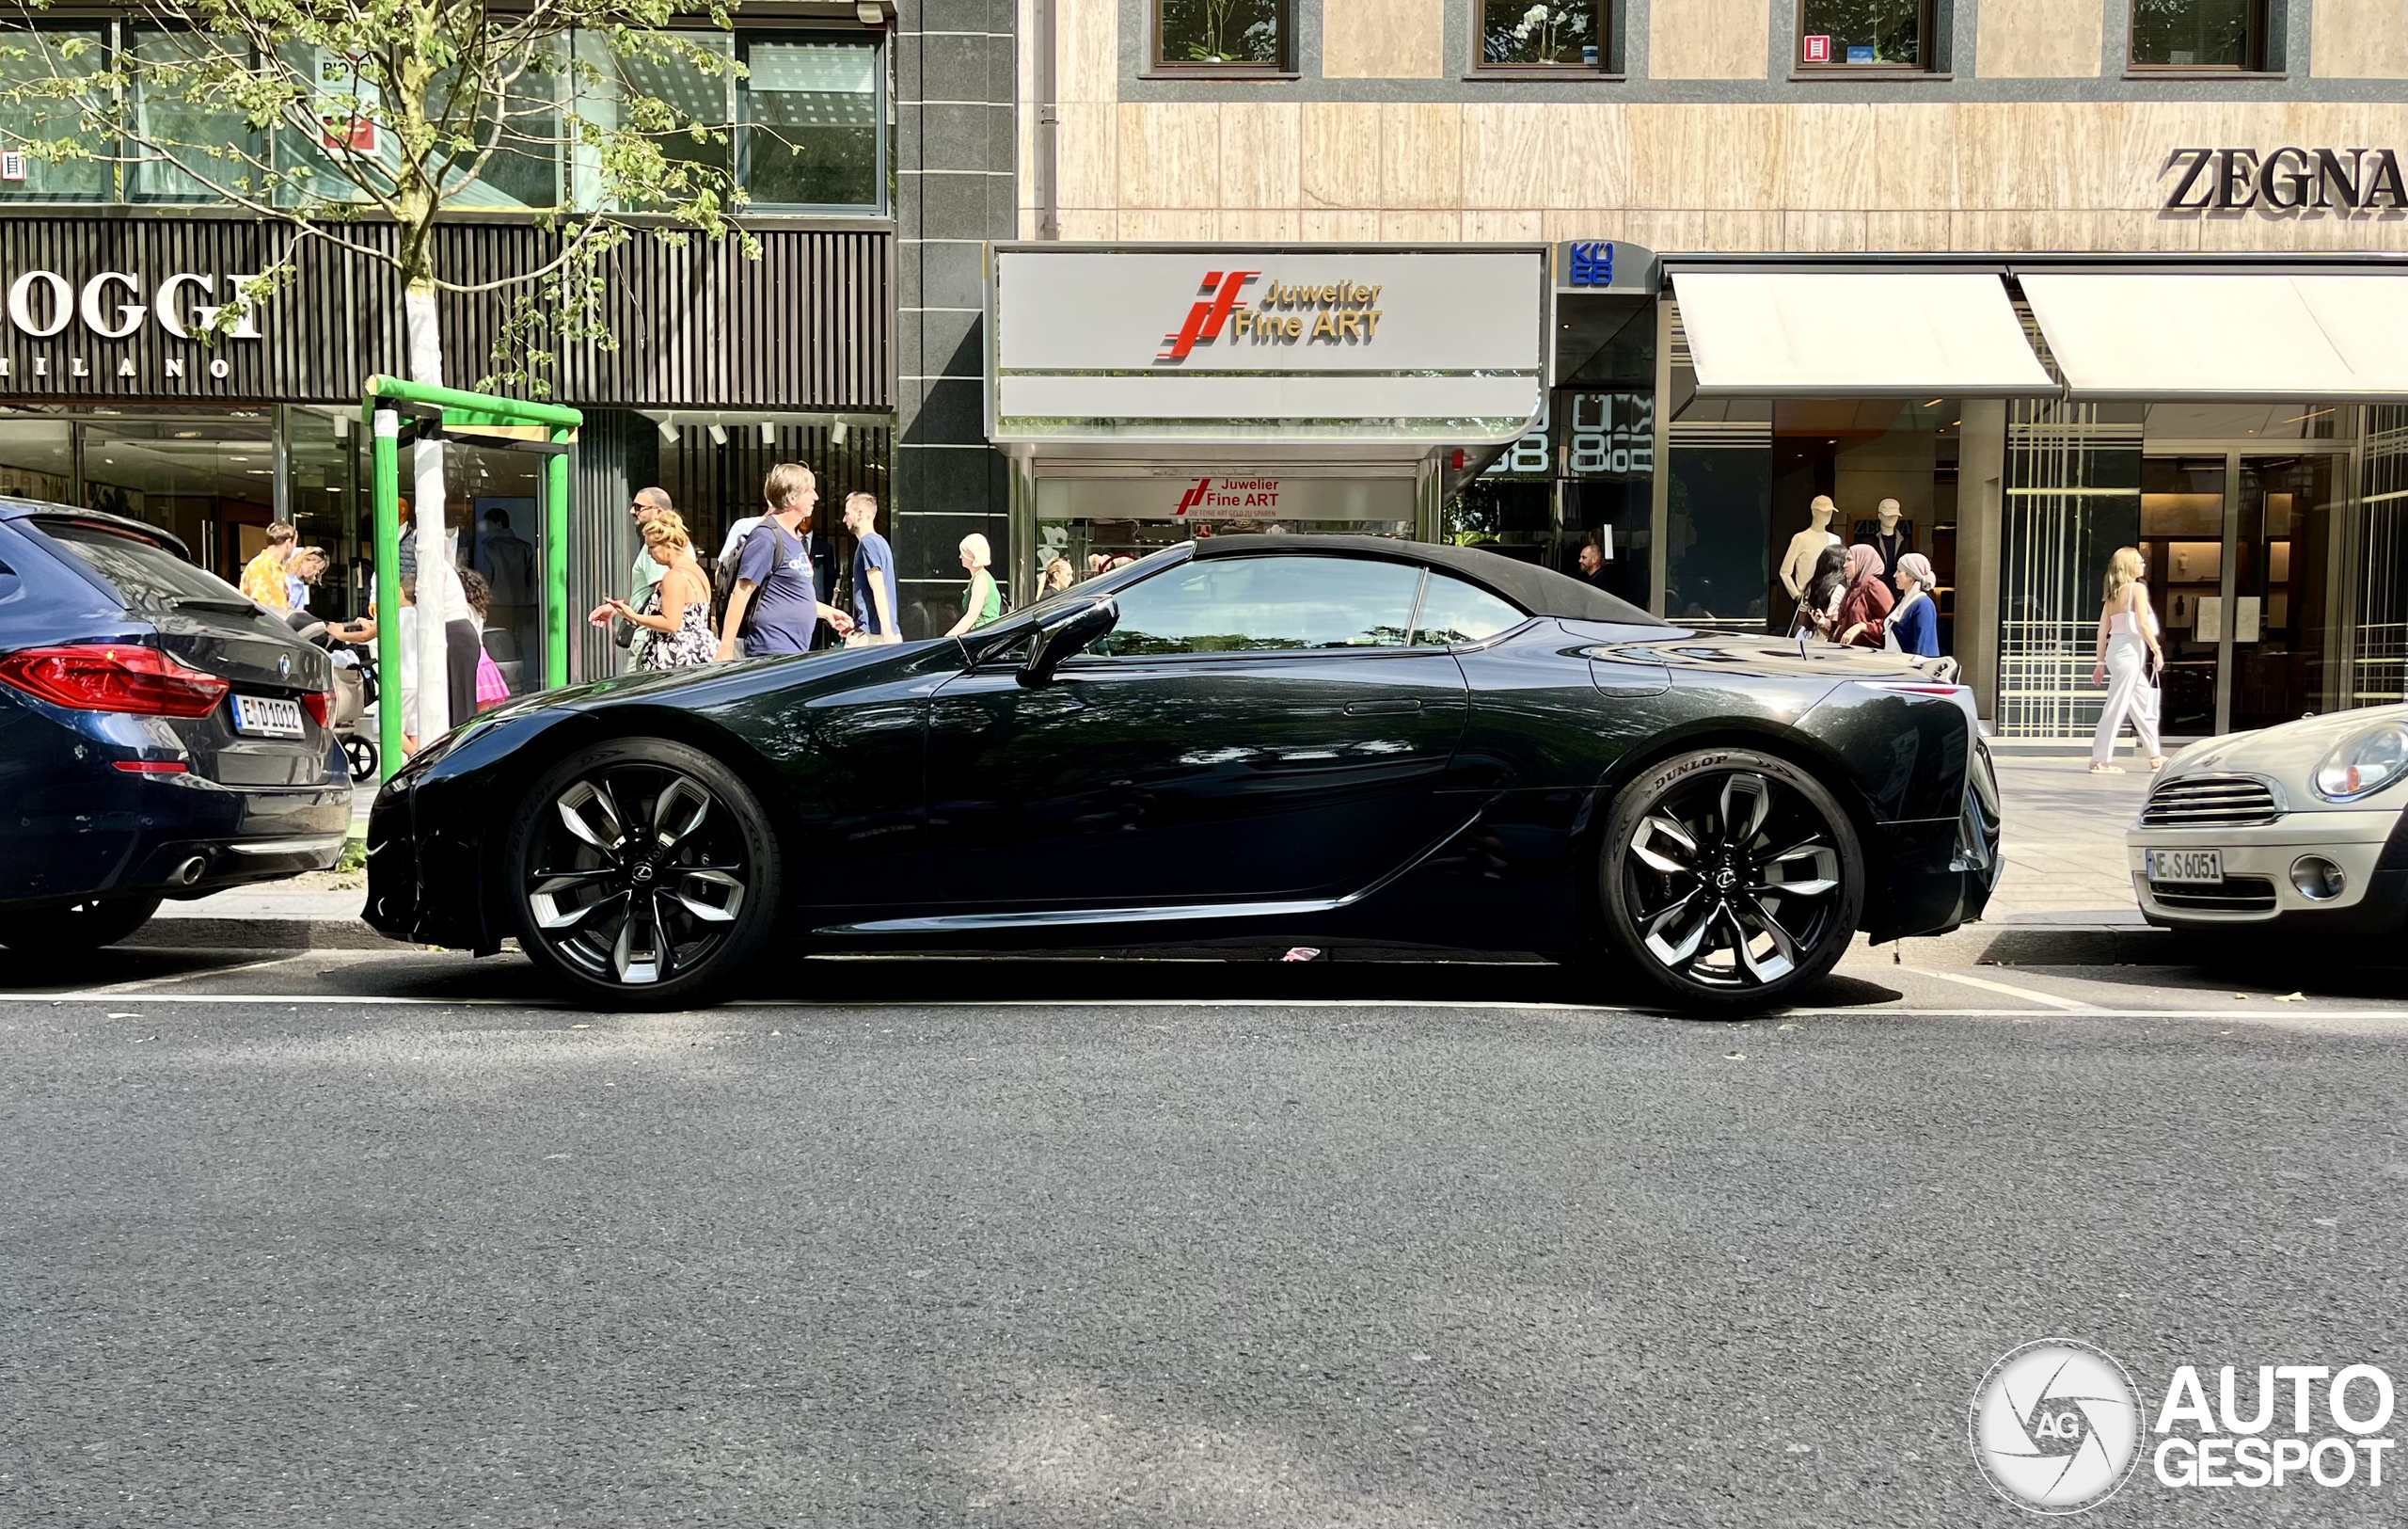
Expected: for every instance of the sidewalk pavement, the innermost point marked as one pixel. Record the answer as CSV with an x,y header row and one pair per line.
x,y
2064,887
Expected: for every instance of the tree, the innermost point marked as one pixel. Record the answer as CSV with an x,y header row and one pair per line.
x,y
320,115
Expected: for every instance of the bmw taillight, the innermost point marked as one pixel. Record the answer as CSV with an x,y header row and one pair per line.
x,y
321,706
114,677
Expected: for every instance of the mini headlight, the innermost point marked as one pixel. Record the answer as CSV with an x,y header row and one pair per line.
x,y
2364,764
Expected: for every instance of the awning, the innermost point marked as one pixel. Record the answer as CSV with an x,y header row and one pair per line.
x,y
1757,334
2272,339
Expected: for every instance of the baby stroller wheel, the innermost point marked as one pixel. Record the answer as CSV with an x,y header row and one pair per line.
x,y
363,758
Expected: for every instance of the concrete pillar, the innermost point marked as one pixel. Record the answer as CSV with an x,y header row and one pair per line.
x,y
1981,499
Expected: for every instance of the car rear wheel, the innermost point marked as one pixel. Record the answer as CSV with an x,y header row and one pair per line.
x,y
87,926
1732,880
643,874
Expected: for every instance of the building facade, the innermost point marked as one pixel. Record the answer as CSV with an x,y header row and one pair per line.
x,y
1735,153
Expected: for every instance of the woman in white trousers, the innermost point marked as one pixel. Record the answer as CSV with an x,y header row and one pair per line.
x,y
2127,652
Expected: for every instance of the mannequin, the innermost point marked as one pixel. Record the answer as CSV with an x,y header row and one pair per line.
x,y
1888,535
1804,547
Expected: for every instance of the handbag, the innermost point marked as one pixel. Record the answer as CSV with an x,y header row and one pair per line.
x,y
491,687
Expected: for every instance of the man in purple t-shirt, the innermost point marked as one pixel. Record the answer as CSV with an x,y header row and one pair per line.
x,y
773,574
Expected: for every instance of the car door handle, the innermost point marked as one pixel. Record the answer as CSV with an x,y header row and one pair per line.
x,y
1404,707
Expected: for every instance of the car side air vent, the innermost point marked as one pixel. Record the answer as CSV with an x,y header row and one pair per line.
x,y
2211,801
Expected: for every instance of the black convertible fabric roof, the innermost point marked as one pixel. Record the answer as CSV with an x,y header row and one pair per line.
x,y
1542,592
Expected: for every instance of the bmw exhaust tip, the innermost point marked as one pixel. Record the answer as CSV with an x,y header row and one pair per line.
x,y
190,871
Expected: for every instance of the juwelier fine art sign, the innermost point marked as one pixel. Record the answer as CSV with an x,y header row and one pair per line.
x,y
1245,341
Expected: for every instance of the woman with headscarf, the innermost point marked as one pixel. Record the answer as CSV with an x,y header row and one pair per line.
x,y
1916,621
1868,601
1824,587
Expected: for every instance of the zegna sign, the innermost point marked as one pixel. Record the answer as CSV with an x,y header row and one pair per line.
x,y
43,304
2285,180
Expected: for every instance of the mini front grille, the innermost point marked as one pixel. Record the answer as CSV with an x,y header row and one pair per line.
x,y
2238,894
2211,801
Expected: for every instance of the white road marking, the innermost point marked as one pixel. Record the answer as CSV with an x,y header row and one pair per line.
x,y
1497,1005
2070,1004
140,985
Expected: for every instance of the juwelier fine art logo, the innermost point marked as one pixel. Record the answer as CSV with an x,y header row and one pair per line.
x,y
2056,1427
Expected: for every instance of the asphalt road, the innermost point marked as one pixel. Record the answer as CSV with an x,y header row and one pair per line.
x,y
368,1238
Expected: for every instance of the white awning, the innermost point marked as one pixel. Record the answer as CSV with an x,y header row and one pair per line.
x,y
1855,335
2275,338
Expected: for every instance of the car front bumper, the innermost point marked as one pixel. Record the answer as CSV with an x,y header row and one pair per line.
x,y
2371,846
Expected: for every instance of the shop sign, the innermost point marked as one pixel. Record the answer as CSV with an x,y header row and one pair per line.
x,y
1199,499
46,305
1594,435
2344,179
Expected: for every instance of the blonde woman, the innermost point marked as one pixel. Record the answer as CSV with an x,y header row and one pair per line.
x,y
673,625
983,602
2129,657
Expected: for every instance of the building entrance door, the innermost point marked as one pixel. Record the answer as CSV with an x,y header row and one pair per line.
x,y
2247,563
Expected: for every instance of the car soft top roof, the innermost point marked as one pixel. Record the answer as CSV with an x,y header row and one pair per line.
x,y
1542,592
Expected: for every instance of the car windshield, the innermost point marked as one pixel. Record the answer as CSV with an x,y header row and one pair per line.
x,y
147,575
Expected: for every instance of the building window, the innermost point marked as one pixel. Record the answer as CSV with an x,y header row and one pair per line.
x,y
1865,34
1543,34
27,55
2199,34
1221,34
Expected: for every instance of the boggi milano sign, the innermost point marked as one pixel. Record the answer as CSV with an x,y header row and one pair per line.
x,y
111,305
2286,180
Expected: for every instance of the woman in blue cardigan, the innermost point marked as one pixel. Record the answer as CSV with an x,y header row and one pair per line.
x,y
1916,621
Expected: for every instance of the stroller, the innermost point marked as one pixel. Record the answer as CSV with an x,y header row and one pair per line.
x,y
355,693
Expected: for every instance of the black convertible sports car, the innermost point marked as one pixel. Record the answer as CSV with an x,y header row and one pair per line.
x,y
1278,738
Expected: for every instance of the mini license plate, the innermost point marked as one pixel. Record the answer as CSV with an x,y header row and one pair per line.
x,y
267,716
2187,868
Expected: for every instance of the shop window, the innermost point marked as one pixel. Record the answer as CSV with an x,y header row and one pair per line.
x,y
27,55
1265,604
2199,34
1222,34
1865,34
1543,34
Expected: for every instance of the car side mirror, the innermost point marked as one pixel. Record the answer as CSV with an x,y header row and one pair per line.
x,y
1060,636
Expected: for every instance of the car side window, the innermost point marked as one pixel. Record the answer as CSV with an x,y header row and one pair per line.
x,y
1271,603
1455,611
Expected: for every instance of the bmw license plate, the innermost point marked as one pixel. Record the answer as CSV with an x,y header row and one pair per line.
x,y
267,716
2186,867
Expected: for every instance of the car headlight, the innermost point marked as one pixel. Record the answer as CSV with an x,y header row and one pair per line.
x,y
2364,765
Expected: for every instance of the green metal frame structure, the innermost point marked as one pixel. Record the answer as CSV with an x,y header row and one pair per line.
x,y
440,410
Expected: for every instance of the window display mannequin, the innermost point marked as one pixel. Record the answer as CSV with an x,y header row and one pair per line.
x,y
1797,566
1888,535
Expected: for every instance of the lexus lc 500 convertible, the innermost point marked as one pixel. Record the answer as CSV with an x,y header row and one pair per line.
x,y
1286,740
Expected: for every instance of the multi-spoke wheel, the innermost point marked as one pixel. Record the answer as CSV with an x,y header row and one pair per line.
x,y
644,873
1731,879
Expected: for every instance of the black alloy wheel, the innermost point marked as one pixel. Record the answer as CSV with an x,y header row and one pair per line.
x,y
87,926
643,875
1731,879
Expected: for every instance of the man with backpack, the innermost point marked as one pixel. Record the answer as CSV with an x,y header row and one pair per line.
x,y
775,603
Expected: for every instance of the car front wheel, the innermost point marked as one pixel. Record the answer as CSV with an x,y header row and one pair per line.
x,y
1731,879
644,874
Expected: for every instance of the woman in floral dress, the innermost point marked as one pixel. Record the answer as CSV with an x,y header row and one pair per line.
x,y
674,628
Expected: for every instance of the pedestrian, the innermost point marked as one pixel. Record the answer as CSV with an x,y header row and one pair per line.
x,y
674,627
773,577
646,503
1593,562
877,609
307,566
493,688
2130,662
983,601
1868,601
1819,608
264,575
1060,576
1914,625
506,561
